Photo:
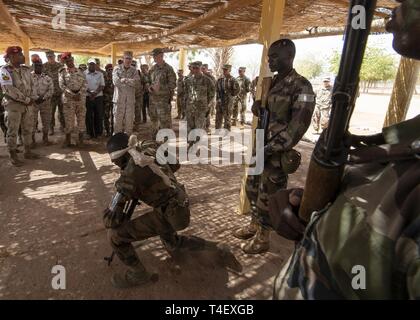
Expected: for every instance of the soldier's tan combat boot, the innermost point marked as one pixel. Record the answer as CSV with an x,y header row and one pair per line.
x,y
259,244
246,232
67,141
28,154
14,160
134,277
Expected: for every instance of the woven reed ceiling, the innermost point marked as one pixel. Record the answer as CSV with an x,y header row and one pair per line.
x,y
91,26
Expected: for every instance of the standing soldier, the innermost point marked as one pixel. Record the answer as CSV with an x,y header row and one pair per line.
x,y
108,94
145,81
139,99
51,68
180,95
200,91
125,78
323,106
227,89
254,85
44,90
17,85
162,87
73,84
291,102
206,72
244,88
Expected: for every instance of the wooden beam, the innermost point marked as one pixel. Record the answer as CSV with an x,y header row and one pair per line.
x,y
404,85
182,59
270,28
11,23
25,48
113,55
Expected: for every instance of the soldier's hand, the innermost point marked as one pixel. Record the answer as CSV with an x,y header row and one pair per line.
x,y
256,108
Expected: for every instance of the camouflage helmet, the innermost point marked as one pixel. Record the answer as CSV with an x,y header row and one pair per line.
x,y
290,161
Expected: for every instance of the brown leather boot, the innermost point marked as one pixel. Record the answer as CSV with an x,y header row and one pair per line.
x,y
28,154
246,232
259,244
14,160
67,141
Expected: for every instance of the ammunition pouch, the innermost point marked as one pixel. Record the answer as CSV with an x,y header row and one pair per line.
x,y
177,212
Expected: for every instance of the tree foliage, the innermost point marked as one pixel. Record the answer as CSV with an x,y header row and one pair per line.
x,y
310,67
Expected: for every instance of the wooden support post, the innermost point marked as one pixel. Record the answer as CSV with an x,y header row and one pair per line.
x,y
182,59
25,48
270,30
403,90
114,54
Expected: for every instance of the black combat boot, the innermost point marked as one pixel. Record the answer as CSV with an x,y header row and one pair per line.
x,y
67,141
14,160
135,276
33,144
28,154
45,139
80,139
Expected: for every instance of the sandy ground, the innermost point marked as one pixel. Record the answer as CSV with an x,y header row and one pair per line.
x,y
50,213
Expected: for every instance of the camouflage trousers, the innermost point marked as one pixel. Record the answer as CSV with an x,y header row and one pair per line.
x,y
57,102
3,122
18,116
196,119
139,111
259,188
108,119
124,114
180,107
212,106
44,109
320,118
242,102
158,222
224,114
74,111
160,114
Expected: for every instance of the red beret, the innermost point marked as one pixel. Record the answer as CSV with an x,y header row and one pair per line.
x,y
65,56
109,65
11,50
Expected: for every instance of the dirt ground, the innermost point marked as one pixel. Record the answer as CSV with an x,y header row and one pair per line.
x,y
51,212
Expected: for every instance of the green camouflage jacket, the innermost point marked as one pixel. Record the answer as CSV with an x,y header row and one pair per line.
x,y
199,92
52,70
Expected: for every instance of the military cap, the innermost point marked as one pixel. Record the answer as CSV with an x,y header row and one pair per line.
x,y
227,67
50,53
91,60
11,50
128,54
66,56
157,51
242,68
82,65
327,79
196,64
205,65
108,66
144,65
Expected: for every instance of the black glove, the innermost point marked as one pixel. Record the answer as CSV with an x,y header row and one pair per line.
x,y
256,108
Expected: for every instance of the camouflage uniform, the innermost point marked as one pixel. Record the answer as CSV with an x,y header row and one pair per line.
x,y
145,80
139,102
200,91
108,105
52,69
291,102
124,98
227,89
72,83
43,87
322,108
180,97
163,78
253,89
18,90
244,88
2,117
212,102
373,223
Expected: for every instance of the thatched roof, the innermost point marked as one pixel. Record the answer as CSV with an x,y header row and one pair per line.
x,y
91,26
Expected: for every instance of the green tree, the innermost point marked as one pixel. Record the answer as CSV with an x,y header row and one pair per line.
x,y
310,67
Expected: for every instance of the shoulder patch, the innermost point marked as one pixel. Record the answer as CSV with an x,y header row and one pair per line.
x,y
306,98
6,78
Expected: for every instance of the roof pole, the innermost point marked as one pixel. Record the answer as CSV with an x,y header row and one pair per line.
x,y
113,54
403,90
270,30
25,48
182,59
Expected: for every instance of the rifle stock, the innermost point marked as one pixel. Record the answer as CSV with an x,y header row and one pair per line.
x,y
327,161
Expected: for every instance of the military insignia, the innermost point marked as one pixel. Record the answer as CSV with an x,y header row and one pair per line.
x,y
5,77
306,98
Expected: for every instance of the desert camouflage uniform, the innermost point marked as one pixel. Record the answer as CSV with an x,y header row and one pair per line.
x,y
200,91
322,109
180,97
170,211
124,98
72,83
244,88
139,102
373,223
227,89
43,87
291,102
17,85
212,102
52,69
108,104
164,78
